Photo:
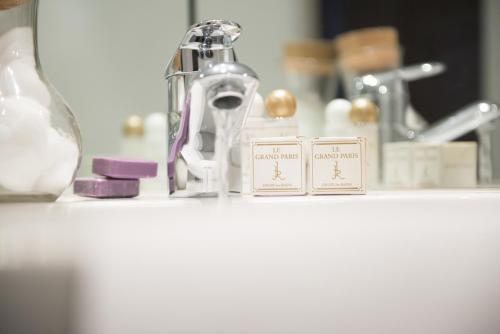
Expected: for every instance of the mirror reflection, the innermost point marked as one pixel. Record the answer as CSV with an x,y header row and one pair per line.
x,y
418,85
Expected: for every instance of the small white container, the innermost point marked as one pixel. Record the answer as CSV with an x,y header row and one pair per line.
x,y
278,166
337,122
337,165
459,165
425,165
398,162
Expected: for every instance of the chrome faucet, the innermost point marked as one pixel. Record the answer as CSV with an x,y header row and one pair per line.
x,y
209,94
389,89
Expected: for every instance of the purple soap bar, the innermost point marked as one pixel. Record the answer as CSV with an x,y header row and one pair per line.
x,y
106,188
119,168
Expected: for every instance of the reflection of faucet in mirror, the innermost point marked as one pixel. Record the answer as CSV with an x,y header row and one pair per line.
x,y
370,60
389,89
479,117
208,98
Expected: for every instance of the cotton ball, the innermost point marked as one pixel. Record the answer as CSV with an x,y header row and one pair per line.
x,y
61,163
17,43
20,77
24,126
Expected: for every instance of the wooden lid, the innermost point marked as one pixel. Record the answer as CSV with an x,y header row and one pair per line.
x,y
368,49
313,48
7,4
357,39
314,56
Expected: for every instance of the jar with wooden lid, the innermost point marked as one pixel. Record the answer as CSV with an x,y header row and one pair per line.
x,y
367,50
310,76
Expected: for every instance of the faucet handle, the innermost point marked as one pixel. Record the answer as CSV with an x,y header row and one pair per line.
x,y
463,121
205,43
211,34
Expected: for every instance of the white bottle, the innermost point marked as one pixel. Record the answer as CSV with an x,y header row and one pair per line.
x,y
356,119
337,119
133,138
155,149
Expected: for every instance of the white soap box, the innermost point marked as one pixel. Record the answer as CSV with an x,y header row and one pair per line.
x,y
425,165
278,166
337,165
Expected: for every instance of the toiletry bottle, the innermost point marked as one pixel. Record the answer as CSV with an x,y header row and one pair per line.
x,y
155,146
364,117
275,118
337,119
133,137
280,108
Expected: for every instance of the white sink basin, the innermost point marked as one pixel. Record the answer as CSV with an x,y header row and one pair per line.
x,y
388,262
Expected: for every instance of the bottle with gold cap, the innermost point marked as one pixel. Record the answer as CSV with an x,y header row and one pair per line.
x,y
273,117
281,106
133,137
364,117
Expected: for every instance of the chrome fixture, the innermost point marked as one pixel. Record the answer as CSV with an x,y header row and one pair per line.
x,y
480,117
389,90
209,94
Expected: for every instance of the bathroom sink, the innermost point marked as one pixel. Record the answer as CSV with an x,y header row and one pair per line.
x,y
388,262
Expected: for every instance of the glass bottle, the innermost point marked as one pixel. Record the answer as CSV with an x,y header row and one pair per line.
x,y
310,76
40,143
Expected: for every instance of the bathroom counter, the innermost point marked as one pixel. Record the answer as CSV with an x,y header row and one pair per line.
x,y
387,262
162,200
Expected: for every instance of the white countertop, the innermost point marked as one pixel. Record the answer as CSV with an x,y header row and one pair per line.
x,y
388,262
162,200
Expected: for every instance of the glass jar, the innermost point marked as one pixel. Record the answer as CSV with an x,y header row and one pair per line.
x,y
40,144
310,76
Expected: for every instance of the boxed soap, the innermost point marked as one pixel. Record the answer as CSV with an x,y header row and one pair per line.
x,y
427,165
337,165
278,166
459,161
